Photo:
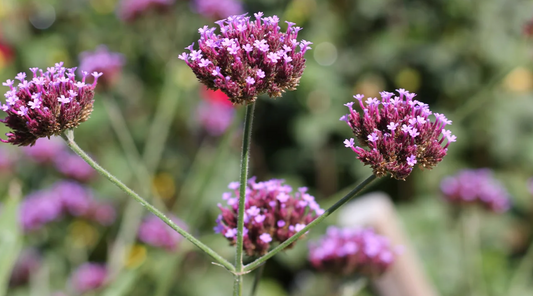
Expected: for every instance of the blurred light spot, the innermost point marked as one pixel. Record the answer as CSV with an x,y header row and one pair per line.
x,y
59,55
103,6
325,54
409,79
318,101
299,11
370,86
136,256
163,184
184,77
43,17
519,80
82,234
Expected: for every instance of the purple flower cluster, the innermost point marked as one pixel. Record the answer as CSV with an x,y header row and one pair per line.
x,y
130,10
398,134
272,214
349,251
44,206
476,186
248,58
153,231
102,60
88,277
214,117
48,104
217,9
53,150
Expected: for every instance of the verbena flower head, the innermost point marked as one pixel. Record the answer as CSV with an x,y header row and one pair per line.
x,y
272,214
88,277
102,60
130,10
476,186
153,231
248,57
352,251
217,9
47,104
397,133
38,209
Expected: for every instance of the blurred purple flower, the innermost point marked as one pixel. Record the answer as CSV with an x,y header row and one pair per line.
x,y
352,251
88,277
102,213
75,199
73,166
130,10
27,263
38,209
8,159
476,186
273,214
47,104
398,134
217,9
214,117
102,60
153,231
45,150
248,58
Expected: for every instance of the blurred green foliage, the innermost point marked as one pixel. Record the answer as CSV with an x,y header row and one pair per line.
x,y
466,58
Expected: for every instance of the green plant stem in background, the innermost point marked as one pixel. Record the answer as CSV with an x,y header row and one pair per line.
x,y
319,219
470,229
521,277
68,136
245,157
257,279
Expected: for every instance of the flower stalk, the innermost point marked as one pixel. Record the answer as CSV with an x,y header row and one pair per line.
x,y
68,136
255,264
245,157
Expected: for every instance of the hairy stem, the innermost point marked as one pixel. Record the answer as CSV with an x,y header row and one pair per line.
x,y
68,136
245,157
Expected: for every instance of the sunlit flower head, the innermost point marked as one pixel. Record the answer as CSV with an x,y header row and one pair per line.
x,y
248,57
397,133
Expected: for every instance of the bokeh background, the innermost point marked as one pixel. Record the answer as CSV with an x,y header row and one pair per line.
x,y
470,60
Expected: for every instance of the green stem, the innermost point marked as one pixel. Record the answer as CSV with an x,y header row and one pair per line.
x,y
68,136
319,219
245,157
520,277
257,279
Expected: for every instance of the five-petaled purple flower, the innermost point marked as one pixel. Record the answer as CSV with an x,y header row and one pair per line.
x,y
58,102
398,134
476,186
352,251
248,58
272,214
